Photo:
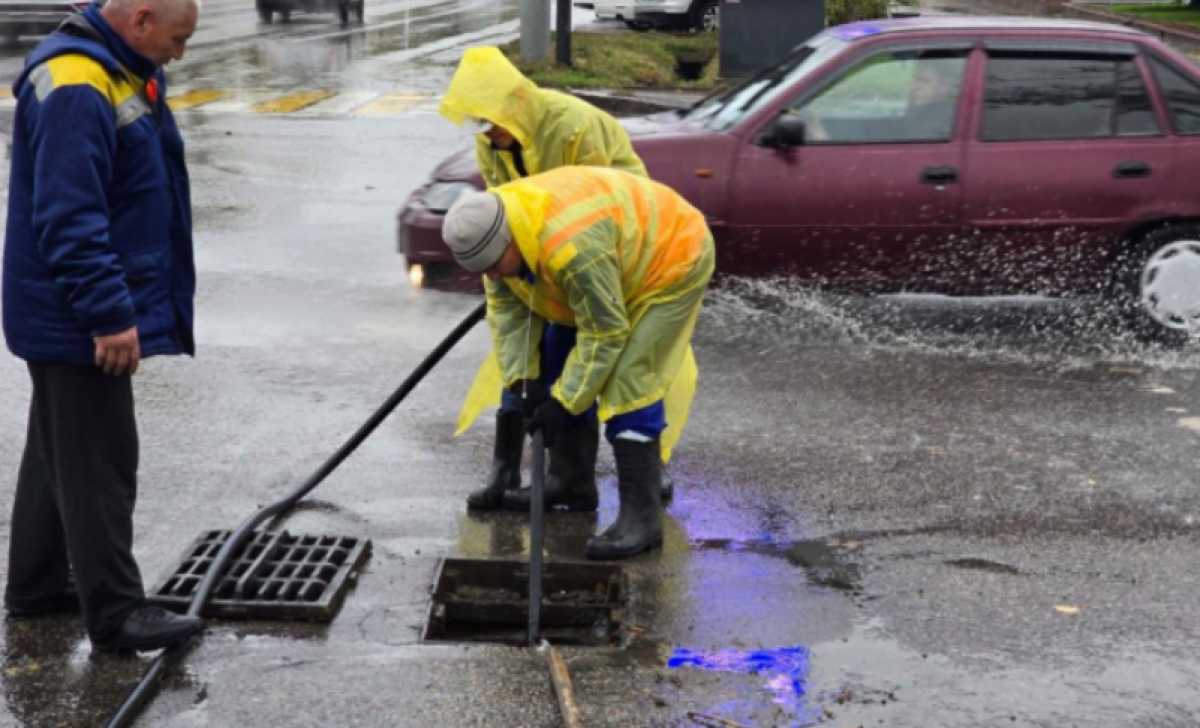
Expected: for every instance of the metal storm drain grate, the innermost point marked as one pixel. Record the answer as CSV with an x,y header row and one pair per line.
x,y
275,575
476,600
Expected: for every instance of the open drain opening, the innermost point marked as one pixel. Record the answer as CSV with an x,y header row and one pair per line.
x,y
276,575
478,600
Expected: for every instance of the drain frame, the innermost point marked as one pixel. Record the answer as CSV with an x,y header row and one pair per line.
x,y
274,575
487,600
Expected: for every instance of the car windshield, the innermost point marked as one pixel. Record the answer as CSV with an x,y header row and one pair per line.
x,y
725,108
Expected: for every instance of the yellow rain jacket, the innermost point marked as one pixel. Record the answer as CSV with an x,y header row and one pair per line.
x,y
623,259
554,129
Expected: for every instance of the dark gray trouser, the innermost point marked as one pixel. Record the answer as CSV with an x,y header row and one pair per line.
x,y
75,494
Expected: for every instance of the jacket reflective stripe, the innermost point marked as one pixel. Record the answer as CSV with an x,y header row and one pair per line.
x,y
79,70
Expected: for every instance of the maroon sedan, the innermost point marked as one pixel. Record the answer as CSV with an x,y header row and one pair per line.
x,y
965,155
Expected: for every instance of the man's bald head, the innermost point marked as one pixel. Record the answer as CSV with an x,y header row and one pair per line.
x,y
157,29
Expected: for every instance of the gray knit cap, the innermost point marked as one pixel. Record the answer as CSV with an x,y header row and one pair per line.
x,y
476,230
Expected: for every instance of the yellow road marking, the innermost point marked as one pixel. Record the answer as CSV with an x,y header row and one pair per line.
x,y
195,97
290,102
393,103
5,92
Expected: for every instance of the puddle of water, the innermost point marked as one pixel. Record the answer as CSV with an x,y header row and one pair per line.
x,y
825,563
783,672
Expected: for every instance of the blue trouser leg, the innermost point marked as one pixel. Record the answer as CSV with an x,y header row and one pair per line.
x,y
649,422
556,344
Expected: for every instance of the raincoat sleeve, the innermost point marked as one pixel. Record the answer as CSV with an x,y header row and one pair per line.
x,y
591,279
515,333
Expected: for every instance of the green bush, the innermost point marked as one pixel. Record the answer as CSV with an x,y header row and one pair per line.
x,y
845,11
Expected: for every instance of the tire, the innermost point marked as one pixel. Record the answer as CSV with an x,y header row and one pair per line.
x,y
285,16
358,11
638,26
343,11
705,16
264,12
1156,285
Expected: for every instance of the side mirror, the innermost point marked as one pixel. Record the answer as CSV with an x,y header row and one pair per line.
x,y
787,131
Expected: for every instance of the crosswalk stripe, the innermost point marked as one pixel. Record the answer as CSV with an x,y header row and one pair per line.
x,y
393,103
290,102
343,104
195,97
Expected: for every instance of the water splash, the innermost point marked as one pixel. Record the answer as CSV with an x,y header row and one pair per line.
x,y
1066,334
784,671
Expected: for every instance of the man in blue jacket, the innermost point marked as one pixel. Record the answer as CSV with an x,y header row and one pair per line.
x,y
98,274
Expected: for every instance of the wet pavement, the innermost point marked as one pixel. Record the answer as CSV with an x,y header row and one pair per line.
x,y
899,511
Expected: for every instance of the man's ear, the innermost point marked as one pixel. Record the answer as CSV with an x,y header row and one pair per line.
x,y
142,17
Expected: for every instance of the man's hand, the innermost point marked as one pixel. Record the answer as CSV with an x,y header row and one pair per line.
x,y
532,394
550,418
118,353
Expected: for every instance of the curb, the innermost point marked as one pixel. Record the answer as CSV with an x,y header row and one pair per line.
x,y
623,105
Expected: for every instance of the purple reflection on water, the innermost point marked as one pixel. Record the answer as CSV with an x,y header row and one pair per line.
x,y
785,670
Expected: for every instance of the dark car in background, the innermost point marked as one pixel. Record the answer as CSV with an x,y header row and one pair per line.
x,y
23,17
267,9
1059,161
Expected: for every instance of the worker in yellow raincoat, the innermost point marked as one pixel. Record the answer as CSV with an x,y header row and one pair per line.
x,y
524,130
625,261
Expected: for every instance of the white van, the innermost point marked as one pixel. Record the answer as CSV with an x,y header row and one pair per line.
x,y
645,14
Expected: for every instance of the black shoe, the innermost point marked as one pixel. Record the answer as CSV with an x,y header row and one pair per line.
x,y
638,526
506,463
668,486
65,603
150,628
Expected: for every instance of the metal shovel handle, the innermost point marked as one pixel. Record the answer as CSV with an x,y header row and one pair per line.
x,y
536,537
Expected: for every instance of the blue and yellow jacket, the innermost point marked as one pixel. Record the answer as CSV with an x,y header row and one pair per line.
x,y
99,213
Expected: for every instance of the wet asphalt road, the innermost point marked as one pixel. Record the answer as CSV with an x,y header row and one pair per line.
x,y
902,511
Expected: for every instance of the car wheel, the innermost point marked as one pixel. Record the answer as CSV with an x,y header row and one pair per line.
x,y
706,16
636,25
285,16
344,13
358,10
264,12
1158,284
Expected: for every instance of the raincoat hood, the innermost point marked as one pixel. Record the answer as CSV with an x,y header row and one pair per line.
x,y
553,129
488,86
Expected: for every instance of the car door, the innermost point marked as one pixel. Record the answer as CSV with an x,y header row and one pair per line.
x,y
846,206
1069,152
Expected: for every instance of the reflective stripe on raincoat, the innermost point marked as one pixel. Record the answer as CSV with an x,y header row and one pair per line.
x,y
623,259
554,129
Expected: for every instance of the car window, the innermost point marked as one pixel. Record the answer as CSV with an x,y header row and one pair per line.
x,y
1182,95
725,109
897,96
1044,96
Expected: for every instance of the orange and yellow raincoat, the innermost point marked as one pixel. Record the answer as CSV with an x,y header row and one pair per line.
x,y
623,259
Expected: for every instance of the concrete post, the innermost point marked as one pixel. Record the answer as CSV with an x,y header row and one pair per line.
x,y
535,29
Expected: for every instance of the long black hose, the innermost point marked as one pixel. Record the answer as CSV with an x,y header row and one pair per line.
x,y
146,689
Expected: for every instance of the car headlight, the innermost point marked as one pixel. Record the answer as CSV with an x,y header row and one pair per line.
x,y
441,195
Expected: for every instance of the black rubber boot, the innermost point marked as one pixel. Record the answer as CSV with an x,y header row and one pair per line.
x,y
668,485
506,463
571,476
638,526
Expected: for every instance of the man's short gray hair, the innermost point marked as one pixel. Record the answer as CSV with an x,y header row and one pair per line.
x,y
168,7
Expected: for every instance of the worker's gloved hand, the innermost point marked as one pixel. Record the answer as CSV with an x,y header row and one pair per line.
x,y
549,419
535,393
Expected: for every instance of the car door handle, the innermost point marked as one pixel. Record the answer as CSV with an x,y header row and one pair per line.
x,y
939,175
1131,169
